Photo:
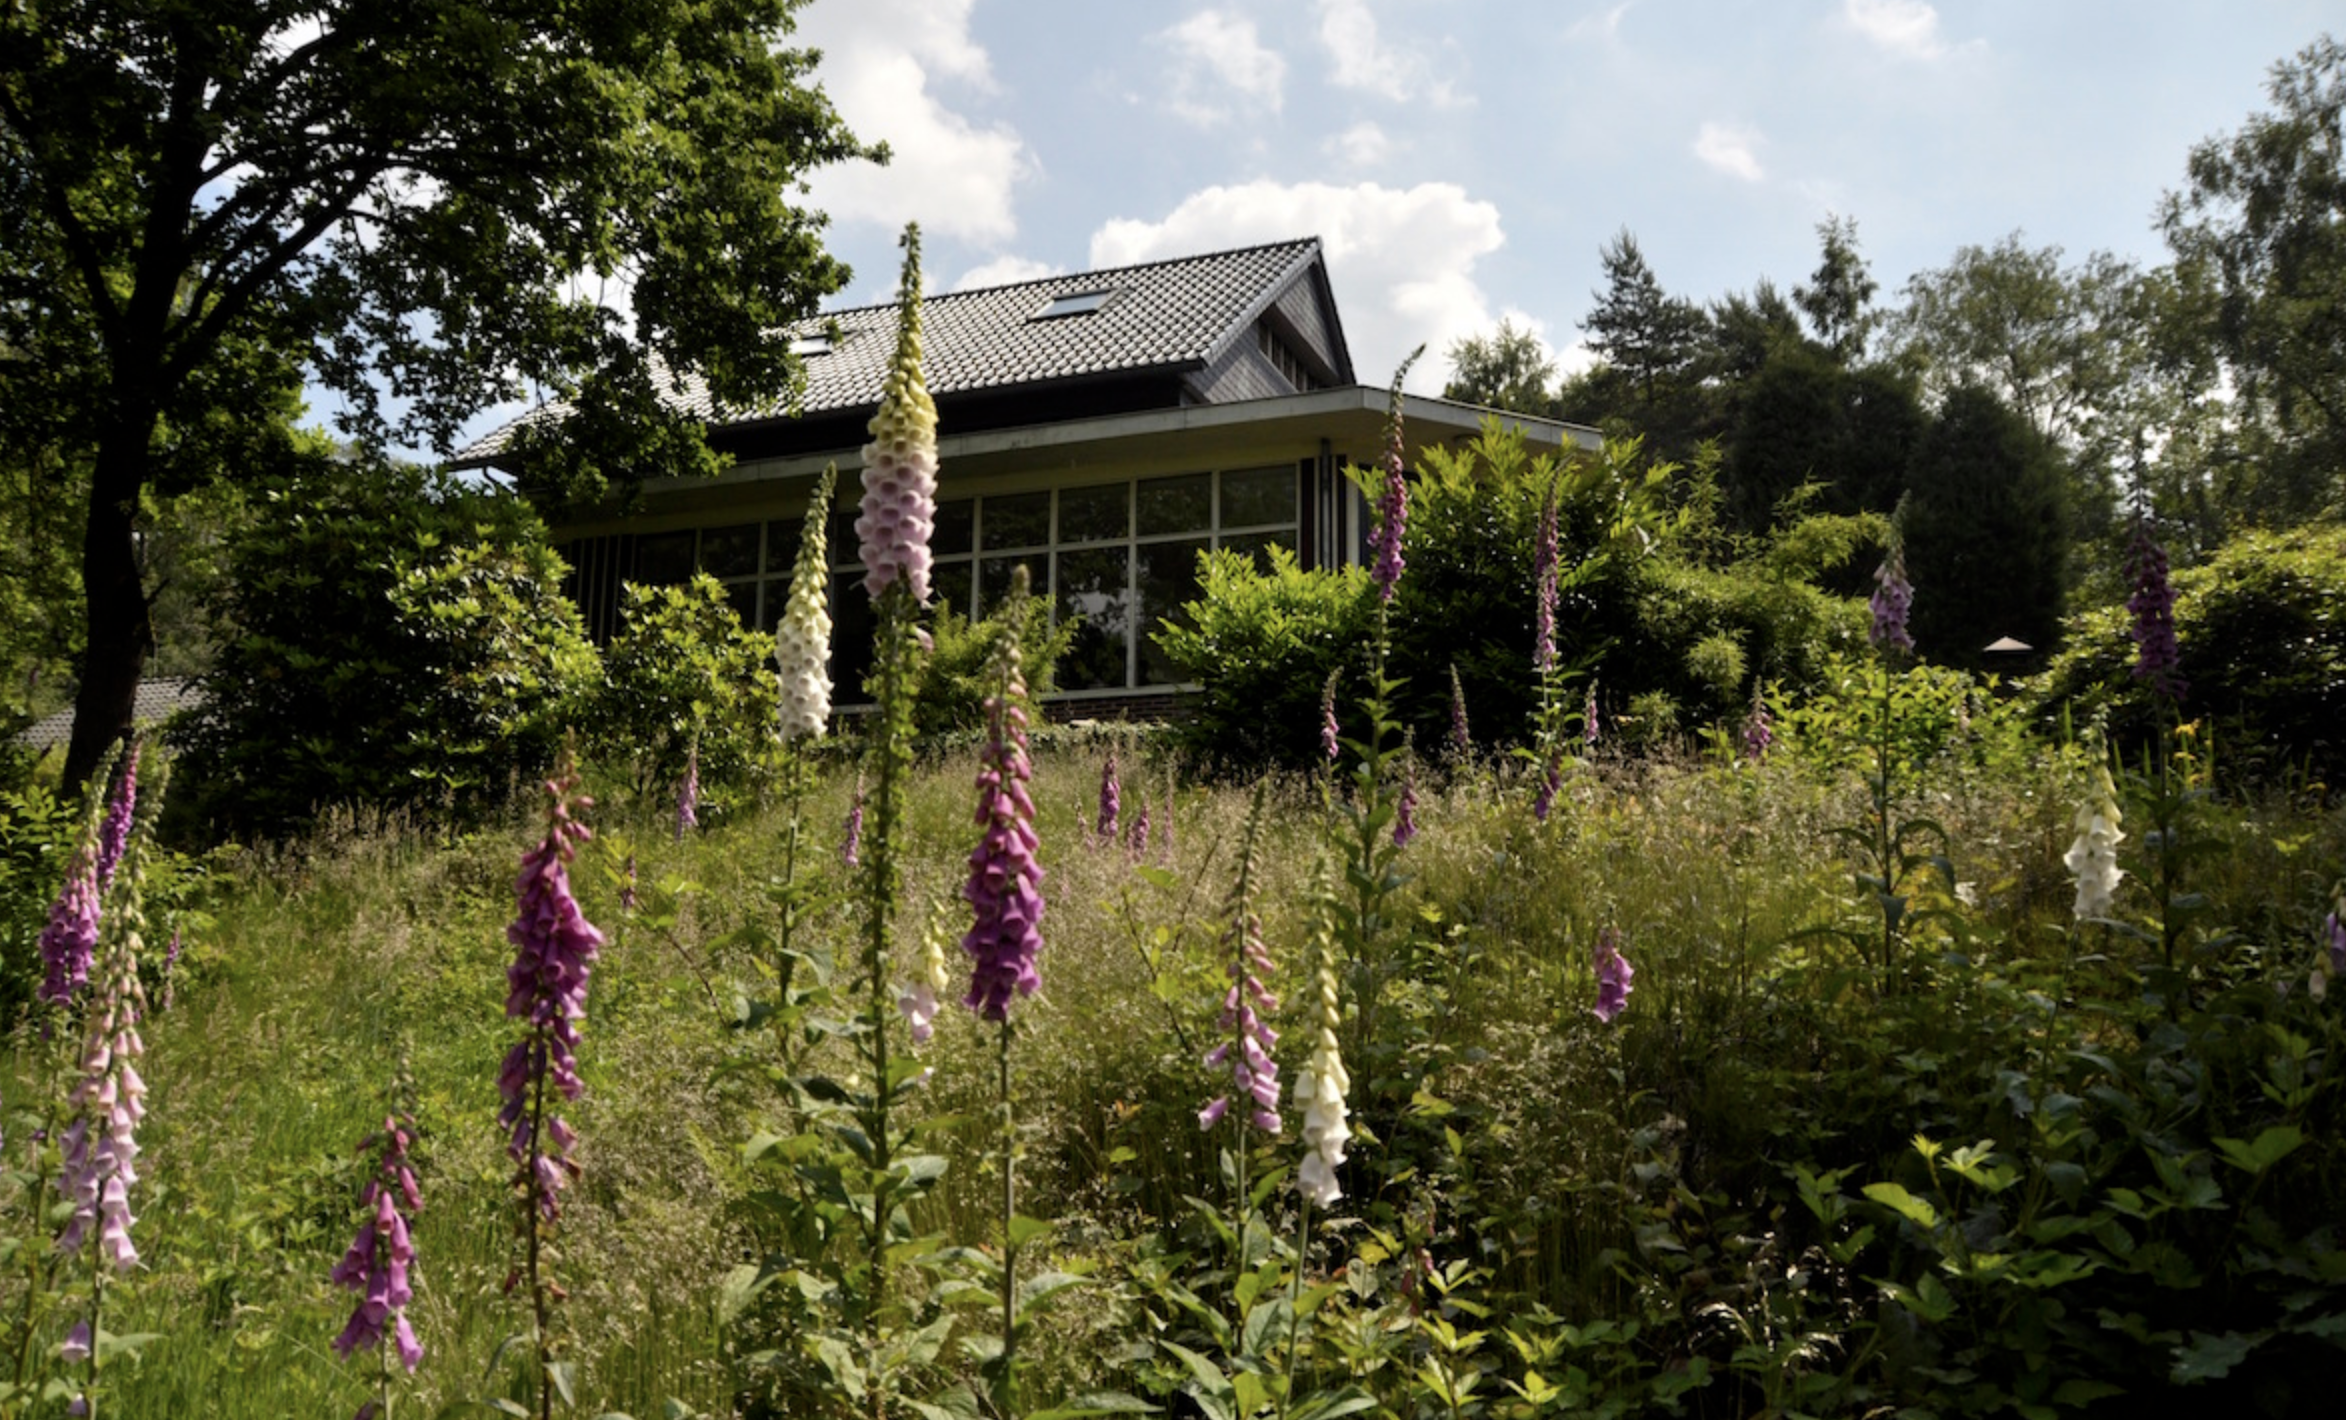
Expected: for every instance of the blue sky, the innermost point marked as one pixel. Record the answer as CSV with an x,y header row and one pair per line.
x,y
1465,159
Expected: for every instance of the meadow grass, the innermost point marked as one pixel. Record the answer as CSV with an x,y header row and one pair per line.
x,y
364,968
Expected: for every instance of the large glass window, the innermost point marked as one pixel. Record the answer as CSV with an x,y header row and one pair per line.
x,y
1115,558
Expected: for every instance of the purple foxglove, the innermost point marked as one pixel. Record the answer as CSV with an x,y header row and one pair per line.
x,y
2157,657
851,846
71,935
121,809
1405,810
1330,745
1461,742
1758,732
1136,837
1551,780
1393,506
170,968
1544,571
688,793
2093,858
802,641
1246,1050
554,951
380,1257
1005,888
1111,800
1893,601
1613,976
100,1144
899,508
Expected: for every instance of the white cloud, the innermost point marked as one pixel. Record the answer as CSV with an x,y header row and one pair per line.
x,y
1365,62
1218,57
1005,271
1733,151
951,175
1401,260
1905,27
1363,145
1605,24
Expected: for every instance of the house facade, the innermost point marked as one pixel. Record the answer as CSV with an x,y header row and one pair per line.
x,y
1102,428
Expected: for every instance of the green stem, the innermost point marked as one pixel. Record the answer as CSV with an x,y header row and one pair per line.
x,y
1009,1395
881,890
97,1310
1294,1302
532,1202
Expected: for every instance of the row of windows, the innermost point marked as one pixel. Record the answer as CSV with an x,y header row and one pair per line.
x,y
1115,558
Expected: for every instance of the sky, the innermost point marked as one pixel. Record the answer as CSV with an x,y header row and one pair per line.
x,y
1463,161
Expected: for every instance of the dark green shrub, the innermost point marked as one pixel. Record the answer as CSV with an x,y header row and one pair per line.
x,y
954,685
391,637
1261,646
2262,627
683,670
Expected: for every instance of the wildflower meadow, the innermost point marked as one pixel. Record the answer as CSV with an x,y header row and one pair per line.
x,y
1893,1049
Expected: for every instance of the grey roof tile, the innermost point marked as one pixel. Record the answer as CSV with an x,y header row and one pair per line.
x,y
1165,315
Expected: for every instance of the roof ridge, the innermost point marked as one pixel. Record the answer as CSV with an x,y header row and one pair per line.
x,y
1302,244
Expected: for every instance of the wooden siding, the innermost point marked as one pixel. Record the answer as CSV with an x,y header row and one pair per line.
x,y
1299,307
1241,373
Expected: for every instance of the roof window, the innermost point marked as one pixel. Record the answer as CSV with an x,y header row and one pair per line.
x,y
1074,303
819,343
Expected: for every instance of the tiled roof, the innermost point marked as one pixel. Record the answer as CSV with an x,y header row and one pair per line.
x,y
154,700
1166,315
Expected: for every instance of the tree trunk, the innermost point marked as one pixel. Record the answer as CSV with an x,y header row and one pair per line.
x,y
115,598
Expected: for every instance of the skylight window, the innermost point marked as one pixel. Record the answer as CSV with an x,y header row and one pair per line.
x,y
1074,303
816,344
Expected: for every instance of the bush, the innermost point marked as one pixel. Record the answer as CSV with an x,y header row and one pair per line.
x,y
2263,641
954,685
391,637
1261,646
683,670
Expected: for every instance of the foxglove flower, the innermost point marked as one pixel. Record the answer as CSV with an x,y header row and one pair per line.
x,y
1893,601
1392,514
1461,742
629,898
1111,800
71,935
688,793
2093,858
170,968
2157,657
918,1002
1246,1051
1405,809
1758,732
851,846
2332,962
1005,889
1588,717
1136,837
1613,976
120,810
1551,780
900,463
377,1263
100,1144
802,642
1322,1083
1329,743
1544,571
554,950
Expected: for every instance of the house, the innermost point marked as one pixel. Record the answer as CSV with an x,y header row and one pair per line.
x,y
1102,427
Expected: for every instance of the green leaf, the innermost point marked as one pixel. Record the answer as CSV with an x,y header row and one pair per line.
x,y
563,1374
1096,1402
1024,1230
1894,1197
2208,1358
2271,1146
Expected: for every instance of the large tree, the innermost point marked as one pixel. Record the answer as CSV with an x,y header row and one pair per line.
x,y
420,205
1838,298
1508,369
1650,335
2259,239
